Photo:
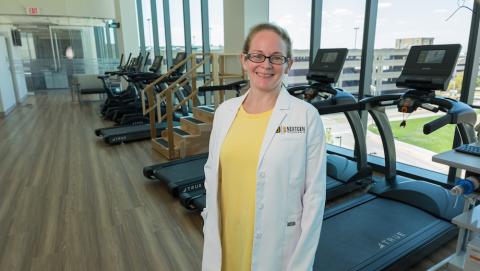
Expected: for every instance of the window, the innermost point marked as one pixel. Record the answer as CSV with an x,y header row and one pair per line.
x,y
342,27
411,145
350,83
196,26
398,28
215,19
476,95
176,24
147,27
295,16
161,34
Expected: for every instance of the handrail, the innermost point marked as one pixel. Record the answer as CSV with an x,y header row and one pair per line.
x,y
180,82
216,76
150,86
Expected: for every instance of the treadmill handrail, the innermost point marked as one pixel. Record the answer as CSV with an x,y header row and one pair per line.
x,y
346,101
232,86
436,124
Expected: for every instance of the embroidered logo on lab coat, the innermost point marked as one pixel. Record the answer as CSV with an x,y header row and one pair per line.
x,y
283,129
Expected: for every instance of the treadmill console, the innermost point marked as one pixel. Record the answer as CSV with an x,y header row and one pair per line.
x,y
429,67
327,66
157,64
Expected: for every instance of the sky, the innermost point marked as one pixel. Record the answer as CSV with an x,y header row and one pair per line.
x,y
340,18
396,19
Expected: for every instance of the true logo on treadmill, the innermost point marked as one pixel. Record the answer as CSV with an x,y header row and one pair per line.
x,y
391,240
193,187
283,129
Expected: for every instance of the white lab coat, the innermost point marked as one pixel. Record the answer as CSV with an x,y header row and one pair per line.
x,y
290,189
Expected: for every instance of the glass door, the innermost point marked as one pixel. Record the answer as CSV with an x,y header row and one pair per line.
x,y
53,54
68,56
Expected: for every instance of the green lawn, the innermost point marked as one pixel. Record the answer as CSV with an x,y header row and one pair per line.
x,y
438,141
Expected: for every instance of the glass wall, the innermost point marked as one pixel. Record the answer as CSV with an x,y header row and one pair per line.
x,y
161,33
176,23
52,54
196,25
342,27
295,17
215,19
148,29
398,28
476,95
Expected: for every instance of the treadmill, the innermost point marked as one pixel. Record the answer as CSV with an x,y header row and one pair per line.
x,y
343,175
185,177
137,131
400,220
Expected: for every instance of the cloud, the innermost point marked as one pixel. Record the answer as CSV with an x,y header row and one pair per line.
x,y
384,4
440,10
342,12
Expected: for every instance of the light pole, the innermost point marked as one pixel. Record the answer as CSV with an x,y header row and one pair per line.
x,y
356,31
340,140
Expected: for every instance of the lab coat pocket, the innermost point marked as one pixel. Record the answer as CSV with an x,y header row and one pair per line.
x,y
292,234
287,151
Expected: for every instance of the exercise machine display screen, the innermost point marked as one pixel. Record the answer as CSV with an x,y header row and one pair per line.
x,y
431,56
429,67
327,66
329,57
157,62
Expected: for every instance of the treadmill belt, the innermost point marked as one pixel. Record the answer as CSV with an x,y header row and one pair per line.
x,y
375,235
181,172
122,130
332,183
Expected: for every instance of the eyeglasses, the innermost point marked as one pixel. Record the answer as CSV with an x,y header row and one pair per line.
x,y
274,59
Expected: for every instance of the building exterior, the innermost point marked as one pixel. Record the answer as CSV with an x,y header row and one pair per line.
x,y
388,64
406,43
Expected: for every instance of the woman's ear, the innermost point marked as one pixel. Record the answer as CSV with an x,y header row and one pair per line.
x,y
242,61
289,66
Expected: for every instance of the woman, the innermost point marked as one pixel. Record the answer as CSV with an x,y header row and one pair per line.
x,y
265,174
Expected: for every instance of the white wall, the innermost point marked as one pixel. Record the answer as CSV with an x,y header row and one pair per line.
x,y
128,38
18,75
239,16
7,93
68,8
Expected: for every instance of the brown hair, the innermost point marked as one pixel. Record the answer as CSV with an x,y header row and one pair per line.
x,y
272,27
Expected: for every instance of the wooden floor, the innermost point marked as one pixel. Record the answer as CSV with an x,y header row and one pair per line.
x,y
70,202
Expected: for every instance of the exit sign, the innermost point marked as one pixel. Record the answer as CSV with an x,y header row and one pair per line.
x,y
33,11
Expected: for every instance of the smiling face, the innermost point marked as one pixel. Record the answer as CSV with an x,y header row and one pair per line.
x,y
266,76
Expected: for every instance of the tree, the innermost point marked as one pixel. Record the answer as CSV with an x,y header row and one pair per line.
x,y
456,83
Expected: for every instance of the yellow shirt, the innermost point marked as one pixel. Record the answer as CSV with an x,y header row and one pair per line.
x,y
238,166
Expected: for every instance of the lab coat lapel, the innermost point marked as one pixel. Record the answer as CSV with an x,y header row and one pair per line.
x,y
229,117
279,113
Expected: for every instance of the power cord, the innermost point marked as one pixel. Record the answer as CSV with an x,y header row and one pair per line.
x,y
461,4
